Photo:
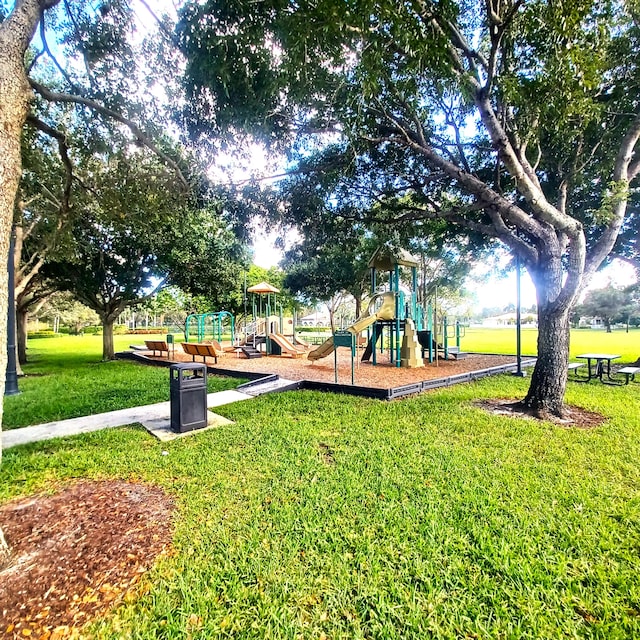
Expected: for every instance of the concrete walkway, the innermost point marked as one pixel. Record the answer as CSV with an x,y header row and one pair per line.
x,y
120,418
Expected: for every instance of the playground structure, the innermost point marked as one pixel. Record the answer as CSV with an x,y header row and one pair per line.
x,y
268,332
412,332
394,322
213,325
381,307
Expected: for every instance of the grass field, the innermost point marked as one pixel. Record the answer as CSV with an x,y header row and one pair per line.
x,y
327,516
66,379
503,340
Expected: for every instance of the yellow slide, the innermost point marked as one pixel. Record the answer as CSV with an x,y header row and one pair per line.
x,y
386,311
286,345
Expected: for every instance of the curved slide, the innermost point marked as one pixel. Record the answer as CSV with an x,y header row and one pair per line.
x,y
286,345
387,311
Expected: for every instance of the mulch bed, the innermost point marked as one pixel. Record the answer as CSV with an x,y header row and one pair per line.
x,y
382,376
78,552
573,416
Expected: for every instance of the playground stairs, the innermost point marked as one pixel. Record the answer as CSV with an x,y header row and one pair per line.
x,y
250,351
456,353
270,384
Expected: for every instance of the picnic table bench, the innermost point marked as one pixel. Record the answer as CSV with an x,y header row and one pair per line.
x,y
204,350
574,366
602,365
629,372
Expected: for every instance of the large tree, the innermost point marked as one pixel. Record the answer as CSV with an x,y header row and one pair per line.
x,y
492,115
611,304
97,36
137,232
42,219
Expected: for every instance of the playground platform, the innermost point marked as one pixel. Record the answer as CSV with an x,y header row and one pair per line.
x,y
384,381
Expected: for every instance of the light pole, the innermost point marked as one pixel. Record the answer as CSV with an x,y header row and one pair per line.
x,y
519,372
11,380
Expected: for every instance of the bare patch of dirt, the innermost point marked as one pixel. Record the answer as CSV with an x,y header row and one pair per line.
x,y
573,416
77,553
326,453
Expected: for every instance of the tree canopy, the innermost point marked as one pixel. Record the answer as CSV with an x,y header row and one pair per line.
x,y
495,116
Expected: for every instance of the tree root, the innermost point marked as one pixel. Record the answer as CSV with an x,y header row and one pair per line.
x,y
542,413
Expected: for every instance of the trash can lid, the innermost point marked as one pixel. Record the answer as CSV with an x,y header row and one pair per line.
x,y
182,366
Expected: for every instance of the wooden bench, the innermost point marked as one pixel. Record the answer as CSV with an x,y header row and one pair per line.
x,y
574,366
629,372
203,349
157,345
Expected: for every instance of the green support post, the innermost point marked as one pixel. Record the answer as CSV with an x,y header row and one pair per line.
x,y
445,337
201,328
343,339
430,328
397,321
267,328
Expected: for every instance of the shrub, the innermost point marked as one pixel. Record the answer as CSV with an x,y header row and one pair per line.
x,y
43,333
92,330
150,330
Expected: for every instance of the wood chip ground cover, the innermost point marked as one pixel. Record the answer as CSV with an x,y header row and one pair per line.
x,y
76,553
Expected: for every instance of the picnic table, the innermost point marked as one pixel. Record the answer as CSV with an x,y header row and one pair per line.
x,y
599,359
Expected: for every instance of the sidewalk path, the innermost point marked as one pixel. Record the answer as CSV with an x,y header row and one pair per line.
x,y
119,418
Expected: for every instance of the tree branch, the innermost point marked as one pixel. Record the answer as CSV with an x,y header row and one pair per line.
x,y
63,149
135,130
161,25
512,213
45,48
622,175
531,191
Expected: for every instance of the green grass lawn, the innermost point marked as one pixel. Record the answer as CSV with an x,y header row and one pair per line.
x,y
327,516
66,379
503,340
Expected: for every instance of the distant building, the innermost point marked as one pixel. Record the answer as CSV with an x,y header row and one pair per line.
x,y
592,322
509,319
315,319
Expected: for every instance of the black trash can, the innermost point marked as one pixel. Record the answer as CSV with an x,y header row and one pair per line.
x,y
188,387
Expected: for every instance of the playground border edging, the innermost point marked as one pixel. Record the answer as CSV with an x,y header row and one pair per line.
x,y
394,393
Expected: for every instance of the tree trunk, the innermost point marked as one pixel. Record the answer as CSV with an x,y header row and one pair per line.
x,y
358,300
549,379
108,352
16,33
555,297
21,334
4,551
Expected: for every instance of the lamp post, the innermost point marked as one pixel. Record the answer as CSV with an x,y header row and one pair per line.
x,y
11,380
519,372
